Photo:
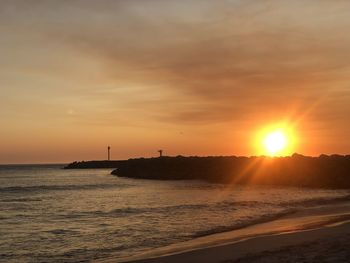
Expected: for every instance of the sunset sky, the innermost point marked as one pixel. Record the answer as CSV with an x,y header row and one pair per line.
x,y
189,77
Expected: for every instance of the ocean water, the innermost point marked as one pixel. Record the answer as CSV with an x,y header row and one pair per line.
x,y
48,214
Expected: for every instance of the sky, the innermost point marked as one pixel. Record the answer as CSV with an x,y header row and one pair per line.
x,y
190,77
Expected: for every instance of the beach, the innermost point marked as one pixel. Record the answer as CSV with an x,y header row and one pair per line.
x,y
49,214
320,234
330,249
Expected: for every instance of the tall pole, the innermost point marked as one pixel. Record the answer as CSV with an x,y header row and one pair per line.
x,y
109,153
160,153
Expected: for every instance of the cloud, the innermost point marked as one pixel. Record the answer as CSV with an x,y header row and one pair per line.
x,y
224,66
185,62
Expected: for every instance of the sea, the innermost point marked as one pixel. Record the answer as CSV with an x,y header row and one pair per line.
x,y
48,214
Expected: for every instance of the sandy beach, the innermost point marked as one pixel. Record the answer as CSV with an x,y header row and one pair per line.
x,y
320,234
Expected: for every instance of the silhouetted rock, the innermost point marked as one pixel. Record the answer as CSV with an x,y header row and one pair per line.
x,y
93,164
298,170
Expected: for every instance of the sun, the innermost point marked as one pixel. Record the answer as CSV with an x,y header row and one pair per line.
x,y
275,142
276,139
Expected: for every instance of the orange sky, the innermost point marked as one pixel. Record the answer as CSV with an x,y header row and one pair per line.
x,y
190,77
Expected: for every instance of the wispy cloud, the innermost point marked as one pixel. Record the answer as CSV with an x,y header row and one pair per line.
x,y
181,63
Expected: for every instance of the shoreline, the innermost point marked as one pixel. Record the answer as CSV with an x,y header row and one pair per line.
x,y
292,230
253,247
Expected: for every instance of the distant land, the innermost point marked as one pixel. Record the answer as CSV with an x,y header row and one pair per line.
x,y
326,171
94,164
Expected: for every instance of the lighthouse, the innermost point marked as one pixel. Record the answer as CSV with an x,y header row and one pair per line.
x,y
109,153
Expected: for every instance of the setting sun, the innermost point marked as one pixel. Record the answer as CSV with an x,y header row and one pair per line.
x,y
275,142
278,139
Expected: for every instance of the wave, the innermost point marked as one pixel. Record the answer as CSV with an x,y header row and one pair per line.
x,y
292,207
246,223
39,188
220,206
287,207
316,201
133,211
63,255
19,200
62,232
231,205
191,208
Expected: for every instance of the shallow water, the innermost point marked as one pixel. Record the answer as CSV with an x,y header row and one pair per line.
x,y
52,215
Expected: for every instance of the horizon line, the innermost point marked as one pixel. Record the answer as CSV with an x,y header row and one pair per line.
x,y
65,163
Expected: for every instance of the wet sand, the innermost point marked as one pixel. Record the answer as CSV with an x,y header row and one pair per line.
x,y
330,249
320,234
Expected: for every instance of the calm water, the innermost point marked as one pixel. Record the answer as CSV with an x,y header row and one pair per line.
x,y
52,215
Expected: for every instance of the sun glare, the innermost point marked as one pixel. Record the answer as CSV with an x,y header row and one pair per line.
x,y
276,140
